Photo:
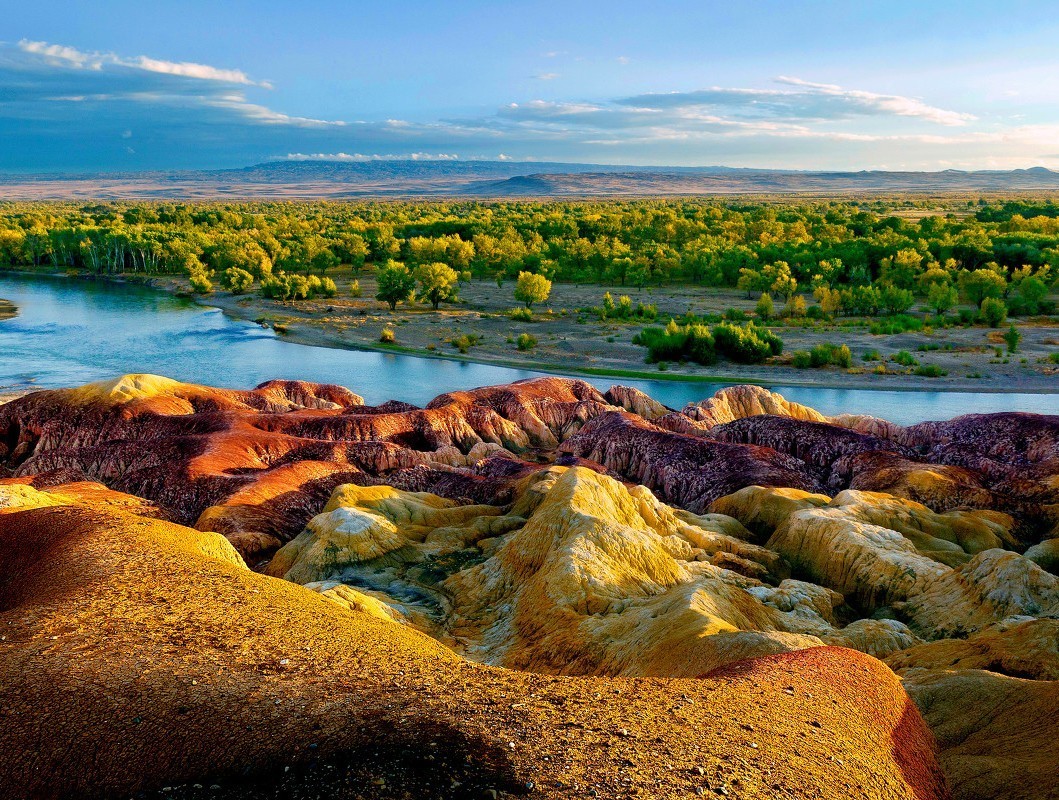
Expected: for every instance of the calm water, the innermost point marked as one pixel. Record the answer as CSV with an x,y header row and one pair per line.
x,y
71,332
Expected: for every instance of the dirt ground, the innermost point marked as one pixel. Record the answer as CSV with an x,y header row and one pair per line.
x,y
571,340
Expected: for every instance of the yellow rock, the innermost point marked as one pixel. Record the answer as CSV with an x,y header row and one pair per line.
x,y
996,734
582,575
992,586
737,402
1021,647
19,496
762,509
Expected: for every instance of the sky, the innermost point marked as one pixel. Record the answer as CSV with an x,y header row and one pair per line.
x,y
119,85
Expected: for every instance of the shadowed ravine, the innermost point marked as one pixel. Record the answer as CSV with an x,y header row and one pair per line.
x,y
535,588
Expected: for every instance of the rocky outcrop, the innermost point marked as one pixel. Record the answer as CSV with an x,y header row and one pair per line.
x,y
996,733
1022,647
683,470
165,662
567,544
581,575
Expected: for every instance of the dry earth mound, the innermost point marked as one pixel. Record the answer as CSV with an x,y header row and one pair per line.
x,y
138,654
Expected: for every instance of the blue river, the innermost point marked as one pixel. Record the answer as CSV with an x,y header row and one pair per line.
x,y
70,332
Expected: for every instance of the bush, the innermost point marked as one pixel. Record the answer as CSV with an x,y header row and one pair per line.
x,y
735,315
824,354
746,344
902,323
1054,357
465,342
526,342
1012,337
624,309
200,282
993,311
327,287
765,308
354,289
678,343
795,307
904,358
520,315
896,301
931,371
388,336
237,281
871,355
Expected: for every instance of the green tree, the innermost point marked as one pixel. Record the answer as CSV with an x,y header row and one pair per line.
x,y
395,284
437,283
896,300
941,297
532,288
237,281
994,311
981,284
765,308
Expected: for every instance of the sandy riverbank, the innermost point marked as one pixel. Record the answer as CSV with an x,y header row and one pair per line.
x,y
573,342
7,309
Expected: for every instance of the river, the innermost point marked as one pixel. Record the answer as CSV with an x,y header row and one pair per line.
x,y
70,332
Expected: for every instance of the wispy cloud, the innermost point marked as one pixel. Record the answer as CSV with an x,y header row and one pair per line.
x,y
547,76
70,56
807,101
63,107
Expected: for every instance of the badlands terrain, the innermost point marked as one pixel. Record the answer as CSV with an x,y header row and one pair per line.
x,y
531,590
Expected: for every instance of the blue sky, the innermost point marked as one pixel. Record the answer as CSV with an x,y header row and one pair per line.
x,y
852,85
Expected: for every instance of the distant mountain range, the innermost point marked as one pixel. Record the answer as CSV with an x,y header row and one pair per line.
x,y
503,179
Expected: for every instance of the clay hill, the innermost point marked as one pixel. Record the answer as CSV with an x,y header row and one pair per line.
x,y
528,590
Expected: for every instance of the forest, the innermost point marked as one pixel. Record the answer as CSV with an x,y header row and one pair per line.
x,y
867,258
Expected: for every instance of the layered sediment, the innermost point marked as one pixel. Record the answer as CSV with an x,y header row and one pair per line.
x,y
492,567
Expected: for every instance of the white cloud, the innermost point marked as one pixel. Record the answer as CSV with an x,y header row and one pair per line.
x,y
365,157
69,56
547,76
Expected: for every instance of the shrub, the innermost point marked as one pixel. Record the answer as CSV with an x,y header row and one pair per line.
x,y
765,308
387,336
200,282
901,323
823,355
327,287
237,281
993,311
465,342
904,358
746,344
1054,357
931,371
354,289
526,342
735,315
896,301
520,315
1012,337
871,355
795,307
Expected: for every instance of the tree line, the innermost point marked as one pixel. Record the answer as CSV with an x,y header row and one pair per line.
x,y
979,250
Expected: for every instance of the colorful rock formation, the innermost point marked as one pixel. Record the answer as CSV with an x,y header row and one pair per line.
x,y
492,567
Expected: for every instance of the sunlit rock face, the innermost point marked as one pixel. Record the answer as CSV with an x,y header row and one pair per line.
x,y
166,662
581,575
550,529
